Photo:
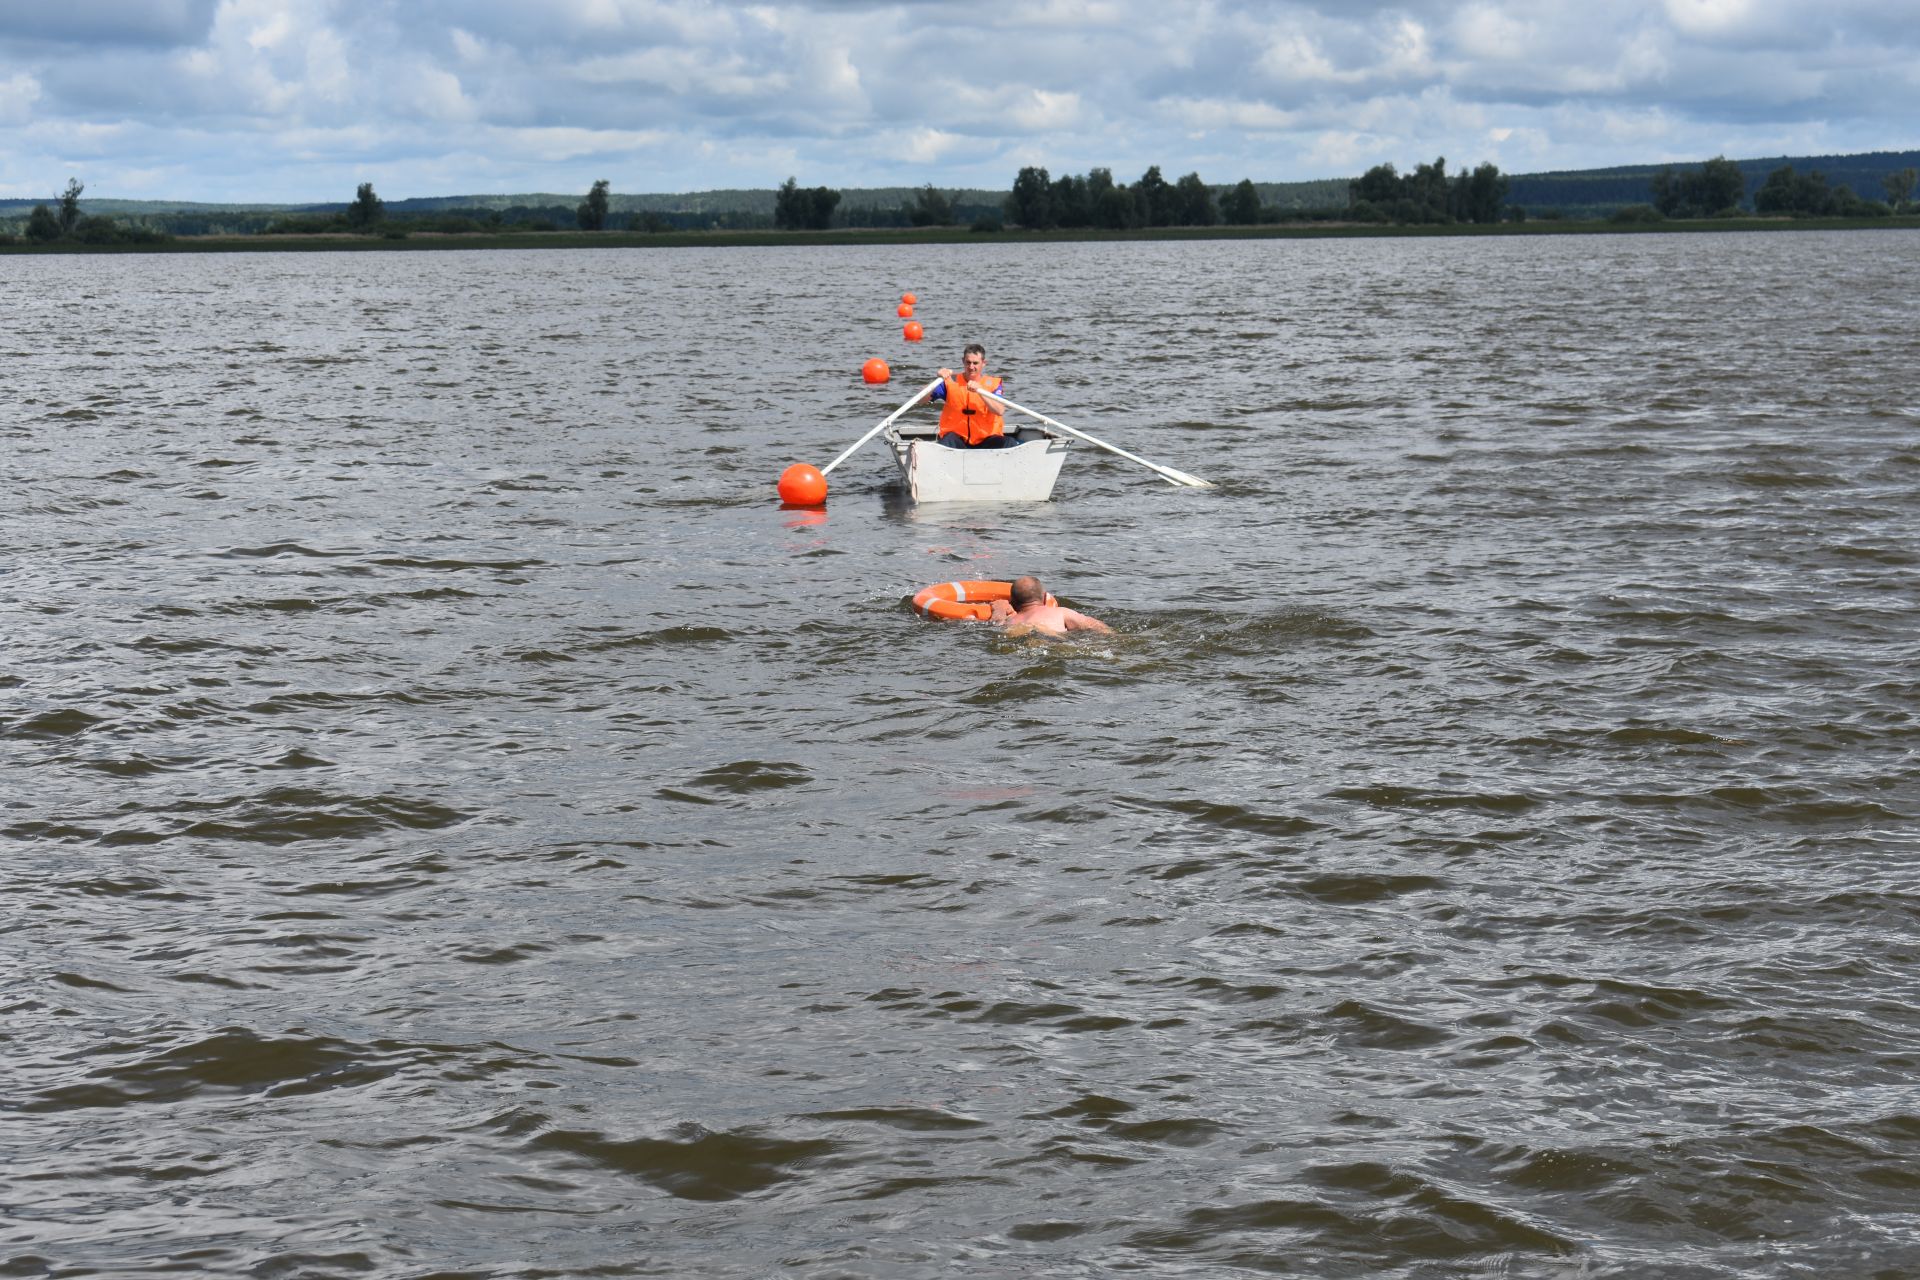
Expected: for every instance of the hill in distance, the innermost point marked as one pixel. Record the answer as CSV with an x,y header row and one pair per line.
x,y
1581,191
1600,191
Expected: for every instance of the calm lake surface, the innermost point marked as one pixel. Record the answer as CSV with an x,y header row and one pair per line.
x,y
456,823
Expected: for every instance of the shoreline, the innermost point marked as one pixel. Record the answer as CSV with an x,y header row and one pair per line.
x,y
433,241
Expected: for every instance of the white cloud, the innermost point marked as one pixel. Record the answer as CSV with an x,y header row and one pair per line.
x,y
694,94
572,144
1485,32
1406,50
924,146
436,95
1040,109
266,29
469,48
1641,127
1075,15
1344,151
1214,113
1296,56
329,70
18,93
682,71
1709,17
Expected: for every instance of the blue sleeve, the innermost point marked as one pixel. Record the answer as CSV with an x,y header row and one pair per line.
x,y
939,392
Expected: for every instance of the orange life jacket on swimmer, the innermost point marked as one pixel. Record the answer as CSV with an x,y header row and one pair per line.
x,y
968,415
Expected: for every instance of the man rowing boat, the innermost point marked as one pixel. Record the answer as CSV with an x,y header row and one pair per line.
x,y
1029,613
969,420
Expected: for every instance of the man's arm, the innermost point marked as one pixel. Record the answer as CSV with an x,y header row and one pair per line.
x,y
1077,621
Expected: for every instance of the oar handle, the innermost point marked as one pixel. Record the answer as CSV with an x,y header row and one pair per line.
x,y
884,424
1167,473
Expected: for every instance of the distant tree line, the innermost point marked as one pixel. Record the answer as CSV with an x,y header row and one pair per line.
x,y
48,226
1428,195
930,207
1041,202
1808,195
1714,188
1038,201
1718,189
368,214
1596,193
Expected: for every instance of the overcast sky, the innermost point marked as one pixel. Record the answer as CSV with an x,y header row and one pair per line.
x,y
301,100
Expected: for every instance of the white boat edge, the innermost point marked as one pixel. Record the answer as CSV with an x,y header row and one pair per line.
x,y
932,472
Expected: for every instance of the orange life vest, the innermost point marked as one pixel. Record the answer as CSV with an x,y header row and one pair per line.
x,y
968,415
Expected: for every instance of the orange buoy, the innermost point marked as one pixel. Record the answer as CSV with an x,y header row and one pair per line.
x,y
802,485
904,310
875,370
913,332
908,298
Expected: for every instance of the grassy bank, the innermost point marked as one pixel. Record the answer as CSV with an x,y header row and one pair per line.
x,y
417,241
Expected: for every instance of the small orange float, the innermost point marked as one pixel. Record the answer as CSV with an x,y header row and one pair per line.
x,y
904,311
964,601
908,298
913,332
875,370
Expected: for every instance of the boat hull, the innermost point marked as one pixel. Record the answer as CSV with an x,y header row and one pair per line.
x,y
1026,472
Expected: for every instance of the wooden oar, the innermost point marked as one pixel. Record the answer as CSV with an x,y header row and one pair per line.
x,y
1168,474
884,423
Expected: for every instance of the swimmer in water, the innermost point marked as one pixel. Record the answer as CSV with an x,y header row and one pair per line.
x,y
1030,614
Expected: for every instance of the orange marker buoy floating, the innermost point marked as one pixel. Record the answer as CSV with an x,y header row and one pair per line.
x,y
875,370
802,485
913,332
904,310
908,298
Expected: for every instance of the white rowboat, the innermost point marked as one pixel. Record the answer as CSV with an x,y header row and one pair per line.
x,y
1025,472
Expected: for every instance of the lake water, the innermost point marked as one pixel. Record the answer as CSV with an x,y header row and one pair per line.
x,y
457,823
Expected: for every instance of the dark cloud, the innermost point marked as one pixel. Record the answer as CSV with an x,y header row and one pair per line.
x,y
161,23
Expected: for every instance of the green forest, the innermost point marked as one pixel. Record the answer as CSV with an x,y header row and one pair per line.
x,y
1872,185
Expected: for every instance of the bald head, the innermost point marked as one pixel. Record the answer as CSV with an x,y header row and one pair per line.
x,y
1026,591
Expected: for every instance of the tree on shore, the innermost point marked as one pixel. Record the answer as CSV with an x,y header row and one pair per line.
x,y
1714,188
1067,201
70,206
930,208
1109,203
1030,203
795,209
1809,195
1428,195
367,209
1477,196
1193,202
1240,207
1153,198
42,226
1899,187
592,213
